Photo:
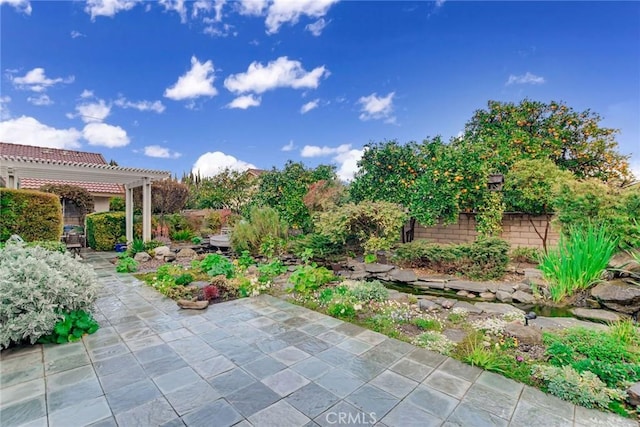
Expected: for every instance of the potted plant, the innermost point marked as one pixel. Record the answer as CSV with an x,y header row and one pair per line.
x,y
121,244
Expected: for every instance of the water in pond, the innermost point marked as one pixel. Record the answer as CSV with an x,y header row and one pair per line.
x,y
538,309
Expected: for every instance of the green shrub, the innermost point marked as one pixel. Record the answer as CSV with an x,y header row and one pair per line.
x,y
428,324
74,325
117,204
485,258
216,265
370,291
581,388
38,287
271,270
182,235
435,341
136,246
104,229
33,215
579,260
126,265
341,309
525,254
309,278
184,279
50,245
321,245
263,224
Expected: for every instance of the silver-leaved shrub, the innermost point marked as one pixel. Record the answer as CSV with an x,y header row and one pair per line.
x,y
36,287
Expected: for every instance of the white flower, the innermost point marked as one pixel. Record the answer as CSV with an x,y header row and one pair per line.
x,y
357,307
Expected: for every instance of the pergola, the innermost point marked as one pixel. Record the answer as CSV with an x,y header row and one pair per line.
x,y
13,168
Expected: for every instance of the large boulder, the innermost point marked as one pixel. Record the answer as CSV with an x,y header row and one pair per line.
x,y
405,276
498,308
523,297
597,315
618,296
378,268
634,394
162,251
187,253
142,257
525,334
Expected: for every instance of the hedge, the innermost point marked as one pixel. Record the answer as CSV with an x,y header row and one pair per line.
x,y
33,215
104,229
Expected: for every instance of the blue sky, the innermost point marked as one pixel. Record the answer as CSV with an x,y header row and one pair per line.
x,y
177,85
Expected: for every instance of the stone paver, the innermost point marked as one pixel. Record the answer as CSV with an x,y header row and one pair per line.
x,y
257,361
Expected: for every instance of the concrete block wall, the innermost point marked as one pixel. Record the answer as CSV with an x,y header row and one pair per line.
x,y
517,229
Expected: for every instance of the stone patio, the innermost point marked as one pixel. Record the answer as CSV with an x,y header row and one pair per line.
x,y
255,361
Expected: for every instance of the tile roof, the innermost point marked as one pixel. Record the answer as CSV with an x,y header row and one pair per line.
x,y
91,187
44,153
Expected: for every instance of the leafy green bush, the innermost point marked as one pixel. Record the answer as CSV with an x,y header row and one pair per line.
x,y
341,309
33,215
484,259
104,229
370,291
579,260
271,270
126,265
524,254
309,278
216,265
321,245
74,325
427,324
262,225
37,287
182,235
370,226
136,246
581,388
50,245
184,279
117,204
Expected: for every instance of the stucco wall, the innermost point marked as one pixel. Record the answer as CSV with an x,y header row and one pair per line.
x,y
100,204
517,229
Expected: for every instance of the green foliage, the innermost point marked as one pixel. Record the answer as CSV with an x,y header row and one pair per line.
x,y
216,265
370,258
321,246
427,324
50,245
71,328
245,260
308,278
196,240
78,195
371,226
484,259
525,254
626,331
284,190
341,309
136,246
126,265
262,227
370,291
579,260
37,287
489,215
604,354
117,204
104,229
228,189
182,235
184,279
33,215
271,270
473,351
581,388
435,341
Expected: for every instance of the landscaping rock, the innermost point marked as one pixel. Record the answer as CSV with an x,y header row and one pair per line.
x,y
468,306
378,268
522,287
506,287
461,285
142,257
396,295
426,305
525,334
532,272
445,302
455,335
405,276
162,251
354,275
192,305
199,284
597,315
618,296
186,253
523,297
496,307
463,294
429,284
488,296
634,394
553,323
169,257
504,296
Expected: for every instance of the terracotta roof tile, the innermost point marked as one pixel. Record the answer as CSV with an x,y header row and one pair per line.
x,y
44,153
91,187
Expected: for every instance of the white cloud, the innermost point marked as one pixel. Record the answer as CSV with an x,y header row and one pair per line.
x,y
160,152
288,147
4,110
283,11
207,6
75,34
196,82
317,151
223,30
527,78
23,6
317,27
105,135
29,131
212,163
36,80
346,158
86,94
155,106
282,72
93,111
175,6
309,106
245,101
40,100
108,7
377,107
252,7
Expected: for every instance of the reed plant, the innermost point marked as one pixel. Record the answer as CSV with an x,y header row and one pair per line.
x,y
578,261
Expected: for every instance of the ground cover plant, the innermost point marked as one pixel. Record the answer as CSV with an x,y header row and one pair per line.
x,y
40,288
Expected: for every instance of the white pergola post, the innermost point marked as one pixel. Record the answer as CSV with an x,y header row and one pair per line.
x,y
146,210
128,209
